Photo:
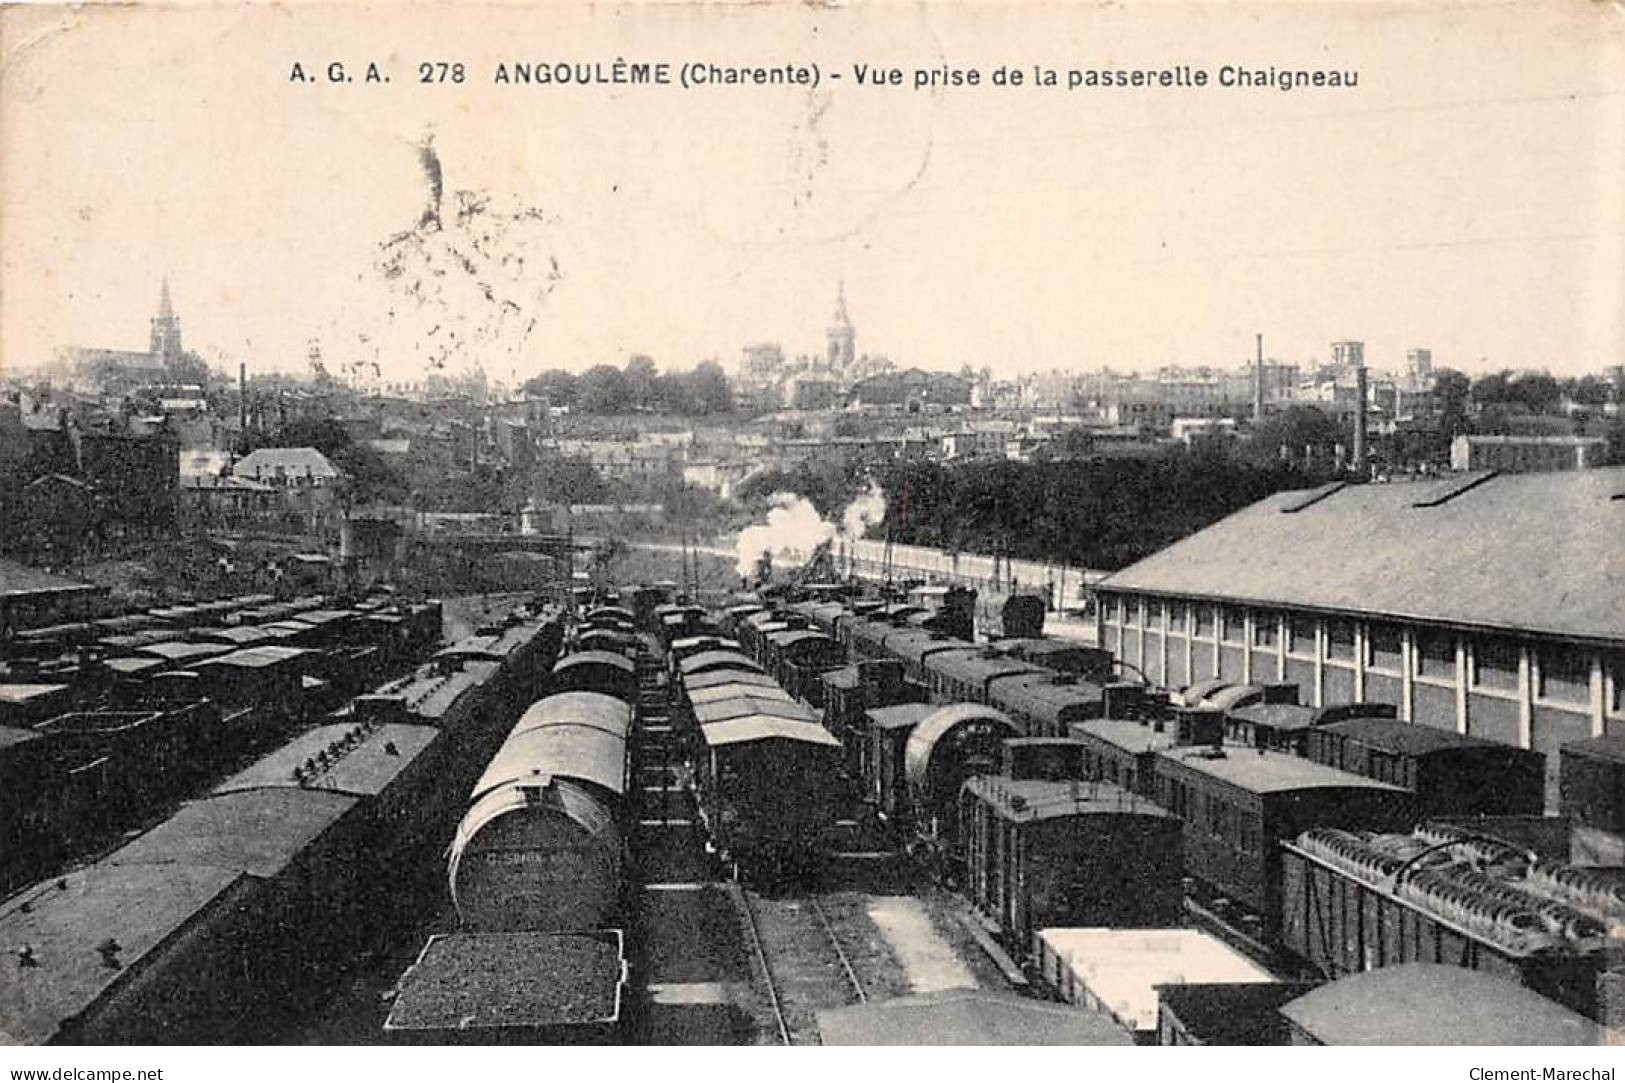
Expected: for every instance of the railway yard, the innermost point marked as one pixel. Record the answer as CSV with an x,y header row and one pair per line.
x,y
774,820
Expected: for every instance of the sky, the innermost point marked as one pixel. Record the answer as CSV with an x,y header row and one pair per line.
x,y
1467,196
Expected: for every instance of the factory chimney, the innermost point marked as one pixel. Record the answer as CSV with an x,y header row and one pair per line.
x,y
1358,461
1258,383
242,399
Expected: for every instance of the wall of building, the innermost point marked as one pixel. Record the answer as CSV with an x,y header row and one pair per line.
x,y
1521,690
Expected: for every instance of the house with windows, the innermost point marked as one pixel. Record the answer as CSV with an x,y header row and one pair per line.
x,y
1483,603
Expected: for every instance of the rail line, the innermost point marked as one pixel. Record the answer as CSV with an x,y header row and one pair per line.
x,y
840,952
753,929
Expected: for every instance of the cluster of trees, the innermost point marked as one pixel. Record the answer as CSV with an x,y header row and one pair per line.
x,y
640,386
1100,513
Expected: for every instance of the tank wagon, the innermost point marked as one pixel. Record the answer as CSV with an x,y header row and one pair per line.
x,y
540,848
946,747
1356,901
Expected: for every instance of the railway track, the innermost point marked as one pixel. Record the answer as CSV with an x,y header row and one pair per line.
x,y
804,964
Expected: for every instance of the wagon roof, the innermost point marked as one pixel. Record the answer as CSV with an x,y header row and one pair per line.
x,y
259,832
366,768
696,663
577,709
967,1017
564,751
900,715
595,658
716,693
1410,738
1280,716
764,728
747,706
65,920
714,678
1431,1004
1261,771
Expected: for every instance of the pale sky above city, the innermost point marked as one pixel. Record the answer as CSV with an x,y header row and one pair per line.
x,y
1468,196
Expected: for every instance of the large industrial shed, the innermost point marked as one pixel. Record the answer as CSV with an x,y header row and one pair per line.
x,y
1486,604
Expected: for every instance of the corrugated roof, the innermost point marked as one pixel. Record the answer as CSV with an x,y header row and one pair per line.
x,y
63,927
764,728
966,1017
367,767
1429,1004
1528,552
254,831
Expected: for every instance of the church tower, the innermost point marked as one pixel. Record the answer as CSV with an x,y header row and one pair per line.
x,y
842,336
166,331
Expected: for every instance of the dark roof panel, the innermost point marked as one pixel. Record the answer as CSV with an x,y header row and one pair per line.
x,y
1536,552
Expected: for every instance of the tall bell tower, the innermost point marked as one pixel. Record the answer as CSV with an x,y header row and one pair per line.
x,y
842,336
166,330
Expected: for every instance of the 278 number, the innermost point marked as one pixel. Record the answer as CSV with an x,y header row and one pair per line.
x,y
440,72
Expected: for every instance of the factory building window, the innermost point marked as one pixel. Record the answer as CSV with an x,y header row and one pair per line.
x,y
1204,621
1114,609
1340,640
1383,647
1264,628
1565,674
1131,612
1235,625
1495,665
1436,655
1176,617
1300,636
1615,665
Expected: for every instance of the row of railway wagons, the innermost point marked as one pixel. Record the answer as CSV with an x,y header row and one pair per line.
x,y
1244,771
244,903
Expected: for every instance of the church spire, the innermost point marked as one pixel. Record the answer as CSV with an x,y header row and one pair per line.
x,y
841,318
166,311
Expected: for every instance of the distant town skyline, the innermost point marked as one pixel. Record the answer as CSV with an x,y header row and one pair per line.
x,y
1468,197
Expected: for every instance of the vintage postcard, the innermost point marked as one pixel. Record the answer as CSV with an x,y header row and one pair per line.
x,y
811,524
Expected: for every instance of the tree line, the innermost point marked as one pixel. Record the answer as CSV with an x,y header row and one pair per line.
x,y
638,387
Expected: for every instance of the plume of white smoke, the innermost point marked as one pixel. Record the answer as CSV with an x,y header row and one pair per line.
x,y
794,529
864,512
